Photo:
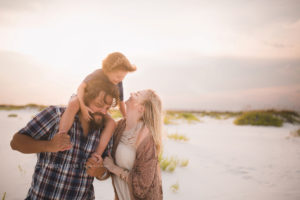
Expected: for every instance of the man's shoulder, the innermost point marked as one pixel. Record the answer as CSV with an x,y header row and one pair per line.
x,y
53,110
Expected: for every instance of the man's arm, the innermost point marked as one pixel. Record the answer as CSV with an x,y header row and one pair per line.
x,y
35,136
26,144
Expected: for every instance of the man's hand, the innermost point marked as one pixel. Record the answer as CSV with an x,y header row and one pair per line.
x,y
60,142
96,169
97,157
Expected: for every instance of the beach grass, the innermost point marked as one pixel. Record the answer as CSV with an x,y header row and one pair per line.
x,y
20,107
175,187
220,115
258,118
169,164
184,163
171,117
296,133
12,115
286,115
178,137
4,195
169,120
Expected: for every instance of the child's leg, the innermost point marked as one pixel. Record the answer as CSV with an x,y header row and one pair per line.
x,y
106,134
67,118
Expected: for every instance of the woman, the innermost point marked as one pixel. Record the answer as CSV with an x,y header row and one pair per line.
x,y
137,141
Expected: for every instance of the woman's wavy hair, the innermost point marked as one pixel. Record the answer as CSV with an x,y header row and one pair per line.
x,y
152,117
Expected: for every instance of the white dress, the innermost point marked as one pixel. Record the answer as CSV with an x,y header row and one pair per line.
x,y
125,156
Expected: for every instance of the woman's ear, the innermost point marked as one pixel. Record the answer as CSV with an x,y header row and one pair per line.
x,y
141,109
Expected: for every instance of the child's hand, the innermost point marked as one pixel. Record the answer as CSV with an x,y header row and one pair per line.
x,y
86,113
97,157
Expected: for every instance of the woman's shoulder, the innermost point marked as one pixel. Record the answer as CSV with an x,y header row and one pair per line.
x,y
120,125
145,140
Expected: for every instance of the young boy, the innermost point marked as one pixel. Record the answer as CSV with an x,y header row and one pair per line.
x,y
114,69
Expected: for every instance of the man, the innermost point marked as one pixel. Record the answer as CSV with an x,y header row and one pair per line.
x,y
60,170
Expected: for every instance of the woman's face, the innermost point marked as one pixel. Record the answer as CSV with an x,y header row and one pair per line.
x,y
133,104
116,76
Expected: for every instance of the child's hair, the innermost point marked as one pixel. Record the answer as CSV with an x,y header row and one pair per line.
x,y
117,61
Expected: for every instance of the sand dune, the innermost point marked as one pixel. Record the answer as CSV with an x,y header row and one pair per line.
x,y
226,162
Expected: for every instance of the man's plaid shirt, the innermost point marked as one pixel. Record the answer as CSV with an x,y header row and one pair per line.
x,y
61,175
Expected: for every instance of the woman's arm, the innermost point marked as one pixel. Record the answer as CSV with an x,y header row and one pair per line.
x,y
115,169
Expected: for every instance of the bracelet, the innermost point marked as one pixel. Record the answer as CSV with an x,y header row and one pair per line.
x,y
124,174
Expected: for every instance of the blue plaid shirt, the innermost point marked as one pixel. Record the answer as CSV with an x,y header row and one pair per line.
x,y
61,175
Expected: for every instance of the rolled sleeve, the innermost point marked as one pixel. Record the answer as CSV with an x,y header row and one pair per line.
x,y
41,125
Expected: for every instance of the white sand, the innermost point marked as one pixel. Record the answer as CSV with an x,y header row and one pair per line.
x,y
226,162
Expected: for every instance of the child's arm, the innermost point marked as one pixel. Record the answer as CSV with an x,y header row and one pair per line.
x,y
67,118
106,134
122,108
83,108
74,105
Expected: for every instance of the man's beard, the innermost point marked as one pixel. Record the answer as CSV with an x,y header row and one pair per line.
x,y
99,123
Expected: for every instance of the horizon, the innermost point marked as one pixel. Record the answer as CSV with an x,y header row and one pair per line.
x,y
197,55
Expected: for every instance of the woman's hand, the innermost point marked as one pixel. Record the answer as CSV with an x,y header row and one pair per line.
x,y
108,163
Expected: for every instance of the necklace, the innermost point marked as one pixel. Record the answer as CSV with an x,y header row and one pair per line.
x,y
129,137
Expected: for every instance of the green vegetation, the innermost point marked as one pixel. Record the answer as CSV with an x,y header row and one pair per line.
x,y
115,114
188,117
22,171
259,118
296,133
286,115
184,163
175,187
20,107
220,115
172,116
169,164
169,118
176,136
4,195
12,115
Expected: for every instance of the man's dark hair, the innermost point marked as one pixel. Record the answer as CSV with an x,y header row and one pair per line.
x,y
94,87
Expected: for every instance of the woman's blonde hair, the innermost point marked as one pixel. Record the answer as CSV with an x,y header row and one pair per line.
x,y
117,61
152,117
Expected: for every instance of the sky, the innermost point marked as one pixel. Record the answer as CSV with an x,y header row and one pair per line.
x,y
197,55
